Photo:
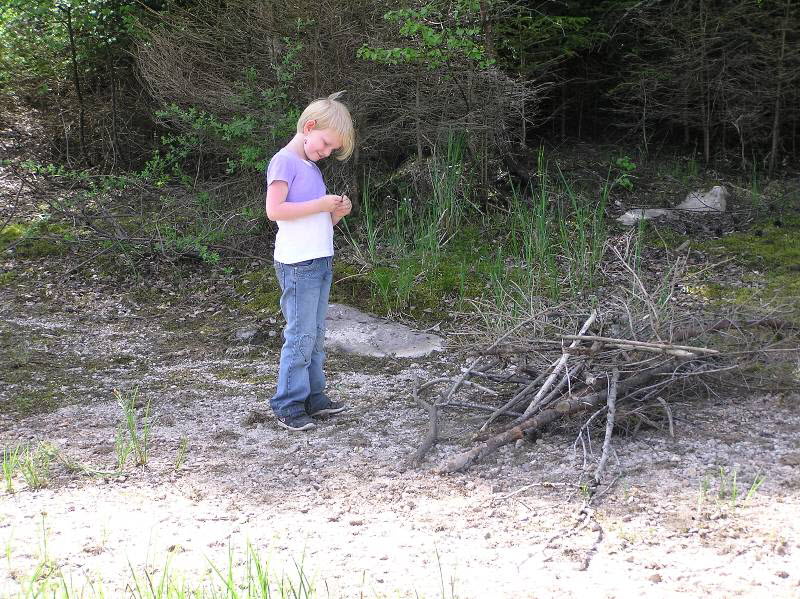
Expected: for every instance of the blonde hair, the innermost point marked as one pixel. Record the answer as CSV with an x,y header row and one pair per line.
x,y
330,113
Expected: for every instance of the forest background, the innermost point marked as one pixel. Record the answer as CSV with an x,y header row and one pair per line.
x,y
507,130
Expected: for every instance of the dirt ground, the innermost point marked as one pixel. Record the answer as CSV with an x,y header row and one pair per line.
x,y
333,499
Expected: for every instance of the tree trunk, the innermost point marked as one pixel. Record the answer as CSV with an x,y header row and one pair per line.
x,y
418,120
779,82
76,81
115,145
486,26
705,91
644,115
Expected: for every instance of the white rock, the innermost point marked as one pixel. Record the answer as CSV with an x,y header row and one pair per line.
x,y
715,200
352,331
631,217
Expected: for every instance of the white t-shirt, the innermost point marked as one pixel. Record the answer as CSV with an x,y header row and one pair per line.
x,y
309,236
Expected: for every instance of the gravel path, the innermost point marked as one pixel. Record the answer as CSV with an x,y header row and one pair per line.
x,y
334,498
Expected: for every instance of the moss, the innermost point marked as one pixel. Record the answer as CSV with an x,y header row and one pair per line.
x,y
8,277
770,247
11,233
351,286
260,291
34,401
36,240
771,255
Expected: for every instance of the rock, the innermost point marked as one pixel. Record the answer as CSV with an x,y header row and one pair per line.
x,y
715,200
712,201
250,335
655,578
790,459
631,217
351,331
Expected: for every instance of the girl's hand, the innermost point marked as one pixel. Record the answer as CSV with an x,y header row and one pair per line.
x,y
330,203
344,208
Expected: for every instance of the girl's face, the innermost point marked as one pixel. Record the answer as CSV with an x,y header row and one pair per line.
x,y
319,143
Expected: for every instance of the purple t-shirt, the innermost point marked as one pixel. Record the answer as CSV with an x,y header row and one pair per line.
x,y
309,236
303,176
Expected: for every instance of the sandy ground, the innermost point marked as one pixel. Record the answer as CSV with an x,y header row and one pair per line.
x,y
333,499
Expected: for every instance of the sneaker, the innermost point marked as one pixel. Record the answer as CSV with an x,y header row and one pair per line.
x,y
333,408
296,423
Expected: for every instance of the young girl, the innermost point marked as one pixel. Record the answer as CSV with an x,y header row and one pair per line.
x,y
298,201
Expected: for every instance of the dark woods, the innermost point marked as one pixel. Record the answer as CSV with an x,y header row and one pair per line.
x,y
217,84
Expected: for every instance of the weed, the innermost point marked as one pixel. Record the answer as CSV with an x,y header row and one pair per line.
x,y
705,486
586,491
7,550
754,487
624,168
122,447
183,450
10,465
34,465
729,488
132,436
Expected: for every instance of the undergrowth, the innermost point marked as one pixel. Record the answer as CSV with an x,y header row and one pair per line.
x,y
428,249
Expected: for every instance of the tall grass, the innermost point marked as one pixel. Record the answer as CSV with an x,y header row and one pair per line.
x,y
558,234
133,435
583,238
450,192
547,240
10,464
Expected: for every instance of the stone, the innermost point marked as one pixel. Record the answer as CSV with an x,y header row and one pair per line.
x,y
715,200
349,330
631,217
246,335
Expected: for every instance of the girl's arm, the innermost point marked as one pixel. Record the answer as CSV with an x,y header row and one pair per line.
x,y
279,209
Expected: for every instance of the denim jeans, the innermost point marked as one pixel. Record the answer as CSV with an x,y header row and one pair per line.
x,y
304,303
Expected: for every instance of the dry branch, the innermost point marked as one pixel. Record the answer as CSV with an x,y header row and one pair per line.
x,y
612,404
571,405
433,429
629,359
676,350
557,367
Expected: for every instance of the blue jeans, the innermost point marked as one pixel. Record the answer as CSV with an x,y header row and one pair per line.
x,y
304,303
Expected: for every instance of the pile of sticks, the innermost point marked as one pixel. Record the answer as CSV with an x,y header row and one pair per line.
x,y
527,384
